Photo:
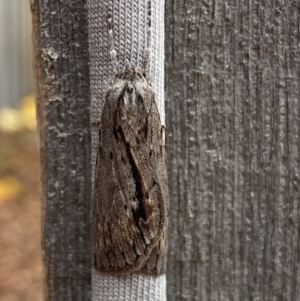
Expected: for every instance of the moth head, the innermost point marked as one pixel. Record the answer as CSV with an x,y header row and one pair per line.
x,y
134,95
129,96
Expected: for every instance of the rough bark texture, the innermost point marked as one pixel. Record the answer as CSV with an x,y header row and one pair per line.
x,y
232,114
61,67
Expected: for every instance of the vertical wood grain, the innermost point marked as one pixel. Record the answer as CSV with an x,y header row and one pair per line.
x,y
61,68
232,115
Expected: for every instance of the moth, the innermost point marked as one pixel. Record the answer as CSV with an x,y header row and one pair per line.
x,y
130,201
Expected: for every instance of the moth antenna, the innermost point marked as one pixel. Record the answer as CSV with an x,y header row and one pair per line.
x,y
148,41
112,52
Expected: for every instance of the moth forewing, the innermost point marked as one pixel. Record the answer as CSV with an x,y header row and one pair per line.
x,y
130,189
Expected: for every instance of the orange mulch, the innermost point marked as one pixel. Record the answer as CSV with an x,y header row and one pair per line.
x,y
21,272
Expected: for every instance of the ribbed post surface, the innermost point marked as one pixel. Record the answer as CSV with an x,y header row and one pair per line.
x,y
130,41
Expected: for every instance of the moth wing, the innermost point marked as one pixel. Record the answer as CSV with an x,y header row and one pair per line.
x,y
156,261
128,207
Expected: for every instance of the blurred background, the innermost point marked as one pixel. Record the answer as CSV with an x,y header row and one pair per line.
x,y
21,271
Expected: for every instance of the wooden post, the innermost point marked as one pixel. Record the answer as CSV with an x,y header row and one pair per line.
x,y
62,80
232,92
232,87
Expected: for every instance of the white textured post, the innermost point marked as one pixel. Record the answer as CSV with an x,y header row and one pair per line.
x,y
130,42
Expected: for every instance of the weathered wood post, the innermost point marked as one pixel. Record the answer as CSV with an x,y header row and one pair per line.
x,y
63,101
232,92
